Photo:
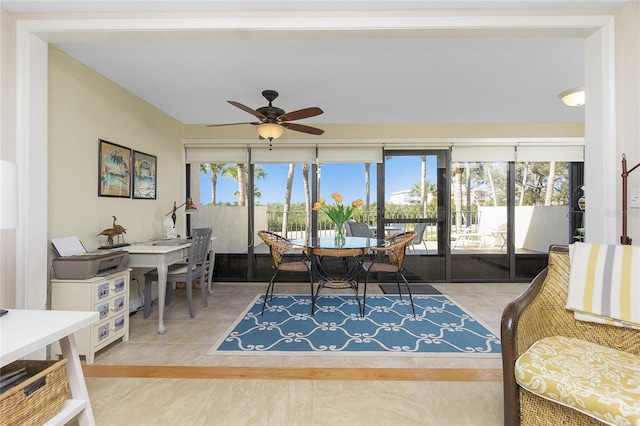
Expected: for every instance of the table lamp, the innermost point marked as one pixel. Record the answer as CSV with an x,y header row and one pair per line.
x,y
190,208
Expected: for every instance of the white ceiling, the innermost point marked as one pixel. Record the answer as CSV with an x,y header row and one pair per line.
x,y
406,79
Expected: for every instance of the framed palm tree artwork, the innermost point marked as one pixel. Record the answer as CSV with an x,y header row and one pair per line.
x,y
145,168
114,165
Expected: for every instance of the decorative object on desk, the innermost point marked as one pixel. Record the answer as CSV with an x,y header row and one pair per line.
x,y
114,165
170,230
190,208
114,231
440,328
624,238
145,172
338,213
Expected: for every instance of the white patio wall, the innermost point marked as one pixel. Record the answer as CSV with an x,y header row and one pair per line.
x,y
536,227
229,225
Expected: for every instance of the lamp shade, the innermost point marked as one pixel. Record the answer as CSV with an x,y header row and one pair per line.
x,y
8,195
270,130
189,206
573,97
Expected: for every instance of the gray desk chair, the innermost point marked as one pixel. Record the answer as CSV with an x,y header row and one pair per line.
x,y
195,268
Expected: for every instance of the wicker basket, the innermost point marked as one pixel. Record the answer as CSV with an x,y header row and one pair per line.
x,y
28,403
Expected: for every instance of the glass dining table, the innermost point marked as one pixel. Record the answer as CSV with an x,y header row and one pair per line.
x,y
341,274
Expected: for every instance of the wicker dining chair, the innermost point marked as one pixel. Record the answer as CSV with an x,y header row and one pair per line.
x,y
352,258
279,247
394,250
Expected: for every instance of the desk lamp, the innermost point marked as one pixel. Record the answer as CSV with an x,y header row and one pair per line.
x,y
190,208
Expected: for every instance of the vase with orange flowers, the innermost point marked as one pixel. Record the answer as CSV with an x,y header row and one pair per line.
x,y
338,213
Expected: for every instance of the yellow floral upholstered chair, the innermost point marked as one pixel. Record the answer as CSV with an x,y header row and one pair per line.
x,y
588,373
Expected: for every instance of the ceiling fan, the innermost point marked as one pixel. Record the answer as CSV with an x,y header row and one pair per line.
x,y
274,120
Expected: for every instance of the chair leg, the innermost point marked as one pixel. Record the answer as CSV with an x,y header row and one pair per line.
x,y
313,305
364,295
406,283
189,286
269,293
203,288
147,297
192,313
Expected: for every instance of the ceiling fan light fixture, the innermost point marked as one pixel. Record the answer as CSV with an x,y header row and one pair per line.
x,y
573,97
270,130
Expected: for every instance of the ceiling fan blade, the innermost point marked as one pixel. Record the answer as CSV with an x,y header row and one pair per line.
x,y
249,110
300,114
233,124
304,129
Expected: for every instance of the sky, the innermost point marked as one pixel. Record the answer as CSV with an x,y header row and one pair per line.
x,y
402,173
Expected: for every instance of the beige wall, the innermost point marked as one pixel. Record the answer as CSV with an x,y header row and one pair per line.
x,y
83,108
7,149
628,106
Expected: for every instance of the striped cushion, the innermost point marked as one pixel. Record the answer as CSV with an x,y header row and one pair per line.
x,y
604,283
600,382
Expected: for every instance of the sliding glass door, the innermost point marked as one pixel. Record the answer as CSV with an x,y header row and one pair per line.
x,y
414,200
477,220
479,233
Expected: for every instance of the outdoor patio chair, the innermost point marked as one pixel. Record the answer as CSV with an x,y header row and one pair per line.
x,y
194,268
357,229
419,230
280,246
393,263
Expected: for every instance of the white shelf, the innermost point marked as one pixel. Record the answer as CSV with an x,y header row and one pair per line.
x,y
24,332
70,409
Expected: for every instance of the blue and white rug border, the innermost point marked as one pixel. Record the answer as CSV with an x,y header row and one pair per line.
x,y
214,352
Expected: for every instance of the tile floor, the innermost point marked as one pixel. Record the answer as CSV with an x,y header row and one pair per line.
x,y
164,401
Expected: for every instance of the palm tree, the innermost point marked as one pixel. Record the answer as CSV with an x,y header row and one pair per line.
x,y
429,189
524,183
367,187
287,199
552,177
239,173
423,178
215,169
307,197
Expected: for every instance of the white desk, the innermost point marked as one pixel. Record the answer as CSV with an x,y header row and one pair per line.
x,y
26,331
157,254
148,255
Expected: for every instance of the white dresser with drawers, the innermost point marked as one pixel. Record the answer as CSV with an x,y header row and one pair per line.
x,y
109,296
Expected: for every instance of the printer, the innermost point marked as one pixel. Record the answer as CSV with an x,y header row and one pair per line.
x,y
75,263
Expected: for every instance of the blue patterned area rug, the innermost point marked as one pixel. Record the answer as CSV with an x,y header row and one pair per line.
x,y
440,328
